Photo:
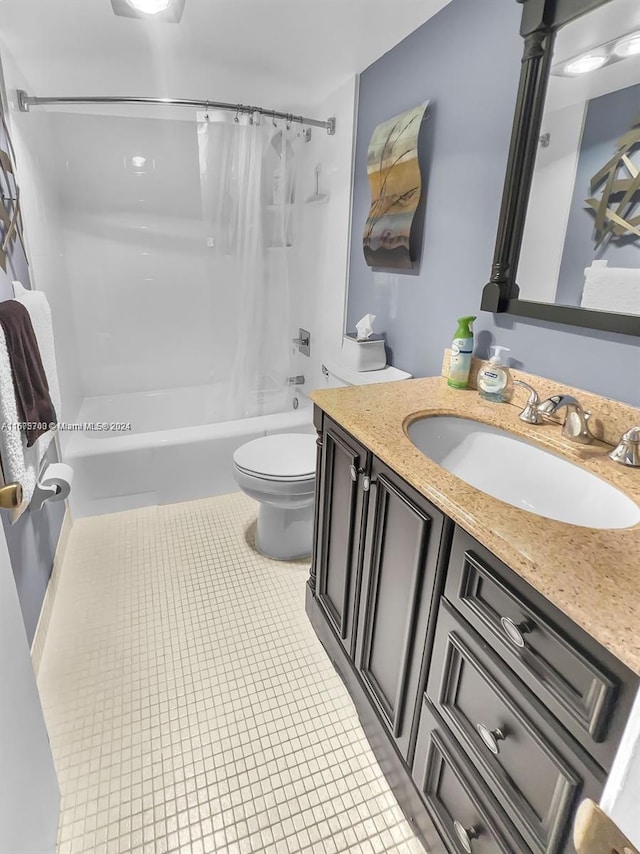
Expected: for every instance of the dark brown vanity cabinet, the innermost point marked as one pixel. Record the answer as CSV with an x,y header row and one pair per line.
x,y
377,548
491,713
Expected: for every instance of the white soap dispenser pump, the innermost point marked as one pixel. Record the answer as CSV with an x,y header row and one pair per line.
x,y
493,378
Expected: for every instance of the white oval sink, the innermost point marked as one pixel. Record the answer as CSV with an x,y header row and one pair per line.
x,y
522,474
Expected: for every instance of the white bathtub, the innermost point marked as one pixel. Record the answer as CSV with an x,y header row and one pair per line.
x,y
173,451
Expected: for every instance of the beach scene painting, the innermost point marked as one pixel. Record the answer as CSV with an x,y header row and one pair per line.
x,y
396,187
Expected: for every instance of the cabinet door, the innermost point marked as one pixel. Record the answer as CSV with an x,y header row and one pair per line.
x,y
404,533
344,463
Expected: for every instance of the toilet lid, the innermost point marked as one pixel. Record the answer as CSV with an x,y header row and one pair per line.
x,y
288,456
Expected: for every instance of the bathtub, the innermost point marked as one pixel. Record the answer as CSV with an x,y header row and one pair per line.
x,y
164,446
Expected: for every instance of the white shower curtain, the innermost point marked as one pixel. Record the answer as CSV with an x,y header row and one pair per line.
x,y
248,171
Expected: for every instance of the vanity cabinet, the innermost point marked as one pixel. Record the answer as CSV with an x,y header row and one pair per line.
x,y
491,713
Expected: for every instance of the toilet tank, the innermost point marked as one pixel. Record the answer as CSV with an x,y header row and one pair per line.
x,y
337,375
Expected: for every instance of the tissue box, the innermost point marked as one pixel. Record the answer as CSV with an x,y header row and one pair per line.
x,y
368,355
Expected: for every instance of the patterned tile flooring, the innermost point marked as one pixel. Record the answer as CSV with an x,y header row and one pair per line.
x,y
191,707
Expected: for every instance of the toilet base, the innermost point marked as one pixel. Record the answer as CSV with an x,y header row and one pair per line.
x,y
285,533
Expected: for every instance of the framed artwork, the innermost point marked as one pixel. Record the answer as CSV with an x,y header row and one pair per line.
x,y
396,183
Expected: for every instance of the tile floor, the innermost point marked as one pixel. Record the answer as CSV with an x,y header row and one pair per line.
x,y
189,704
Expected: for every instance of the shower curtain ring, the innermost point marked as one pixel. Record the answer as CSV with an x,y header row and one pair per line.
x,y
289,120
236,119
206,111
274,119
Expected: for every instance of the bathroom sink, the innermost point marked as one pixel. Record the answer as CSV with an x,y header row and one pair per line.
x,y
522,474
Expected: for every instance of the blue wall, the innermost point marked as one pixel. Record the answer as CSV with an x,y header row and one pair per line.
x,y
33,539
608,118
466,59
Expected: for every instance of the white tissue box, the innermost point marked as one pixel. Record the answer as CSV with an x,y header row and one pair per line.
x,y
368,355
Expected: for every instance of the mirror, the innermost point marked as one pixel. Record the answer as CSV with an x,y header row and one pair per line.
x,y
568,245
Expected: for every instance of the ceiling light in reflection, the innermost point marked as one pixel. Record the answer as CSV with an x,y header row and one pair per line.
x,y
628,46
150,7
585,64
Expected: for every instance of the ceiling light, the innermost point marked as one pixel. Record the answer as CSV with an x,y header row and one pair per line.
x,y
138,162
585,64
167,11
628,46
150,7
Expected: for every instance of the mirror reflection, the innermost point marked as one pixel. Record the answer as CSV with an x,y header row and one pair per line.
x,y
581,243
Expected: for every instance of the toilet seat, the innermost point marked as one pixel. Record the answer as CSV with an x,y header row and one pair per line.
x,y
285,458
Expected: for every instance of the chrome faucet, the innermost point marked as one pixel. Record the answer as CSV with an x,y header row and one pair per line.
x,y
627,452
576,423
530,414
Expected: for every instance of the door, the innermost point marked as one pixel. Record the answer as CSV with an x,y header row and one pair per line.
x,y
29,796
401,567
342,499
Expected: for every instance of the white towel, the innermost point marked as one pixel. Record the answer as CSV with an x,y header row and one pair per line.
x,y
19,463
37,305
611,288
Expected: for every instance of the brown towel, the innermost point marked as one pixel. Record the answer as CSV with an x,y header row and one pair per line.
x,y
29,378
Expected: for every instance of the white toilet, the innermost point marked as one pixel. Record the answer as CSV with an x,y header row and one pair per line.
x,y
280,472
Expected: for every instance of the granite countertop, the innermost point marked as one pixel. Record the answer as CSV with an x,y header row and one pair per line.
x,y
593,576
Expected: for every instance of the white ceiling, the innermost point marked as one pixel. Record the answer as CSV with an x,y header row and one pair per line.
x,y
297,51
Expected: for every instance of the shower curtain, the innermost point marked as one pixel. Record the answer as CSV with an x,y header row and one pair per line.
x,y
248,171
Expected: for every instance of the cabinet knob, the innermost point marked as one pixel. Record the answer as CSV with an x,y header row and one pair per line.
x,y
490,737
515,632
465,835
366,483
353,471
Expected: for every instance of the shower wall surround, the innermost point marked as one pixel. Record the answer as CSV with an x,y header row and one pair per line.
x,y
319,298
148,313
472,85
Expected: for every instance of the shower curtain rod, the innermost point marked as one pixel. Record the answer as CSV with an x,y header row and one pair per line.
x,y
25,101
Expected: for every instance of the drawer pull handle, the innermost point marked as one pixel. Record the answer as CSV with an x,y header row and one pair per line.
x,y
515,632
465,835
491,737
353,471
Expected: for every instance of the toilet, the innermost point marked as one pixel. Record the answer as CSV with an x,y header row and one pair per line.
x,y
279,472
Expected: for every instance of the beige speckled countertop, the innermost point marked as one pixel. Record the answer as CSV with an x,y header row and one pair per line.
x,y
591,575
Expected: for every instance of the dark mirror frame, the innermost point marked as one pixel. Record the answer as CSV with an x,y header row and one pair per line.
x,y
540,21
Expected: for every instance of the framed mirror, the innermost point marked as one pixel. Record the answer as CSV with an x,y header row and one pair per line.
x,y
568,244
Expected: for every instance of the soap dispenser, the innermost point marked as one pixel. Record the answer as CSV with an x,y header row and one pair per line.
x,y
493,378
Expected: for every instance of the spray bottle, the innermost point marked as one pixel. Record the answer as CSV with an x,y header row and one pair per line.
x,y
461,350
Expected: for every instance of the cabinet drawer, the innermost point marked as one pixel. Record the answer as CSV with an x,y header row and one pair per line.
x,y
466,820
537,772
584,686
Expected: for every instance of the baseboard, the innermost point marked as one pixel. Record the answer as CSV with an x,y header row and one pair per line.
x,y
40,635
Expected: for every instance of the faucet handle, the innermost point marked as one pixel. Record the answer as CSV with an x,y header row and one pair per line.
x,y
530,414
627,452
